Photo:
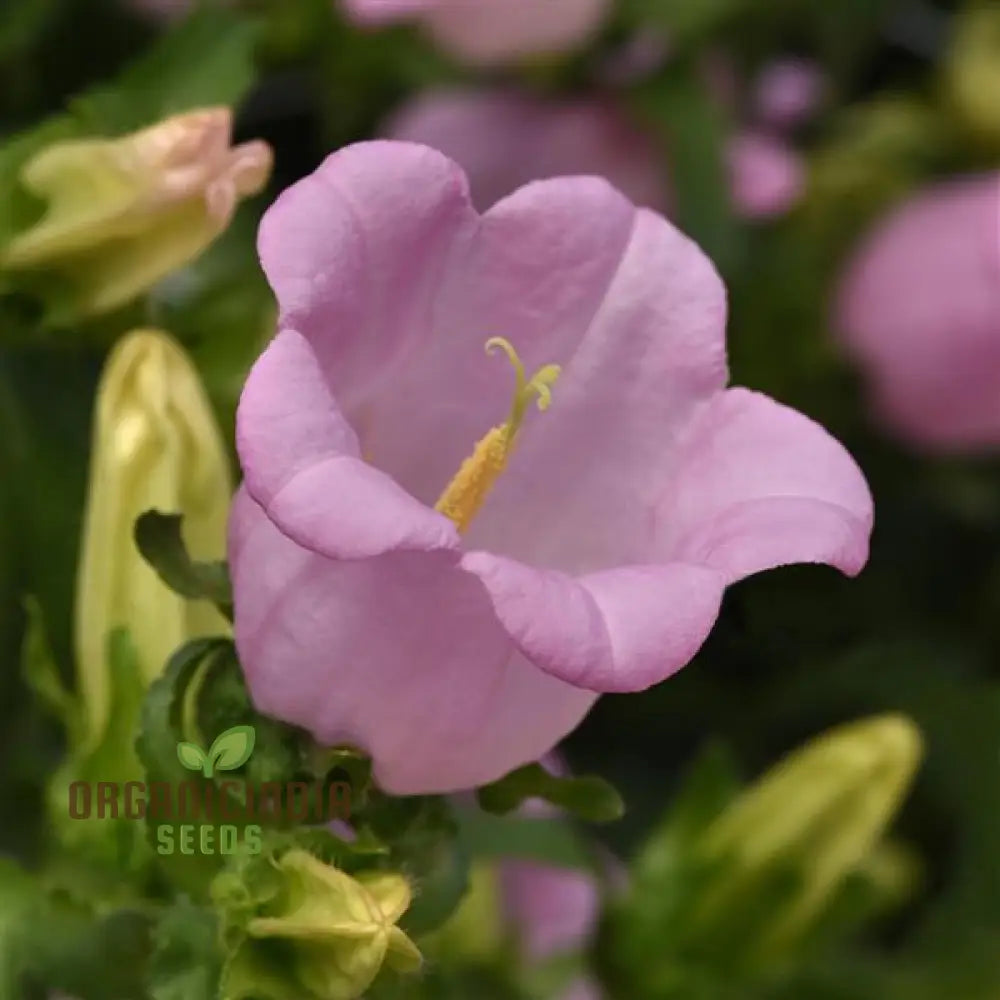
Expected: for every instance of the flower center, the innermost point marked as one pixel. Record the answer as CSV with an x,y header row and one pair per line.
x,y
467,492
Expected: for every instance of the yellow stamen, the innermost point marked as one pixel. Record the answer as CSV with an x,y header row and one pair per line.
x,y
467,492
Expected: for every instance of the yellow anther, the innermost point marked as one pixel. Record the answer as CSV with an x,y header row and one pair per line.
x,y
467,492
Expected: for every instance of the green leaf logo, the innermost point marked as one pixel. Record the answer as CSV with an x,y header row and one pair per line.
x,y
191,756
230,750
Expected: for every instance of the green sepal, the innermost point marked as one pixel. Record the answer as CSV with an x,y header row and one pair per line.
x,y
158,538
423,837
162,729
289,965
590,798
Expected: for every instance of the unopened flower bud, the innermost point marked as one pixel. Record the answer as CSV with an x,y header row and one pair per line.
x,y
337,930
156,445
972,72
817,816
123,213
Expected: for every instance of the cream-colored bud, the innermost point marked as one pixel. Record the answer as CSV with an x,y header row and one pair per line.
x,y
338,931
971,72
820,812
123,213
156,445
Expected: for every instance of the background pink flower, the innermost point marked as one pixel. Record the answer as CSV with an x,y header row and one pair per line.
x,y
766,175
919,309
555,912
788,92
486,32
504,139
599,558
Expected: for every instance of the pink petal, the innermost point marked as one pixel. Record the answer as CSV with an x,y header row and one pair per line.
x,y
356,251
767,176
535,271
503,140
399,655
919,308
301,463
760,485
582,491
620,630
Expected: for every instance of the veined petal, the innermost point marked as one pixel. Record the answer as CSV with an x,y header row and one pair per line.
x,y
356,252
534,271
618,630
760,485
581,493
400,655
301,463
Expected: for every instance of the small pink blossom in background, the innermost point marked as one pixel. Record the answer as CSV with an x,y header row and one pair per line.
x,y
597,562
504,139
488,32
766,175
788,93
555,912
919,310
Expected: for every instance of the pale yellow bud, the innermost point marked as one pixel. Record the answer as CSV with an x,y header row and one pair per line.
x,y
338,931
156,445
820,812
971,72
123,213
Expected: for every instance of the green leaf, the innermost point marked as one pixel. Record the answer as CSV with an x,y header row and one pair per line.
x,y
644,928
186,961
590,798
692,130
158,537
108,756
206,59
41,673
685,21
191,756
19,906
549,842
81,953
232,748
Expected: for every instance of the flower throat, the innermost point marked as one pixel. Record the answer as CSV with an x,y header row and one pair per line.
x,y
465,495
